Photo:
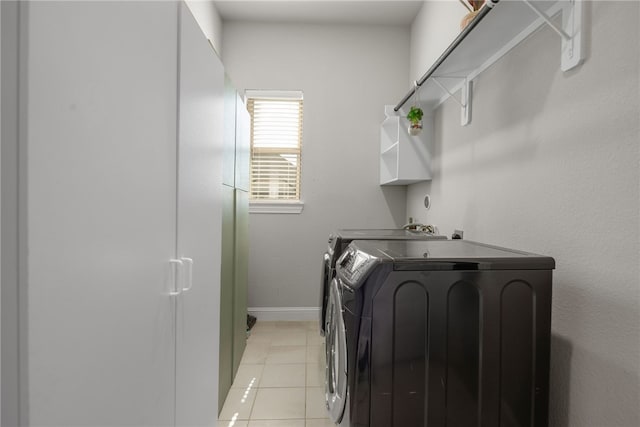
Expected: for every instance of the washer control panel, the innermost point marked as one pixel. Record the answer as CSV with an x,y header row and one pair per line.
x,y
354,266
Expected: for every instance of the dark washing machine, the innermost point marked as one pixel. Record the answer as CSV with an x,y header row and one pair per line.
x,y
439,333
338,242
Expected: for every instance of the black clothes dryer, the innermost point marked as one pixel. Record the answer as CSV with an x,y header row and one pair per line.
x,y
338,242
439,333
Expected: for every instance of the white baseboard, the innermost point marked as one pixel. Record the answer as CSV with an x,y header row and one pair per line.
x,y
271,314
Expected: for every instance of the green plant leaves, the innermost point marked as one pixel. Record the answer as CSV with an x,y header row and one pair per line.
x,y
415,114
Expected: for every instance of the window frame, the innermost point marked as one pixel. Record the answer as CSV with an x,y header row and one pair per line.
x,y
277,206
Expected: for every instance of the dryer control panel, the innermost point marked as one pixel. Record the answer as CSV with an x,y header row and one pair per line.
x,y
354,266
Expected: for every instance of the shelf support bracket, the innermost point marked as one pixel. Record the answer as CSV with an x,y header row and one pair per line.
x,y
548,20
572,49
465,102
465,99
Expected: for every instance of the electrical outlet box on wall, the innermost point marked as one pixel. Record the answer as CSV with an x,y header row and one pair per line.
x,y
404,159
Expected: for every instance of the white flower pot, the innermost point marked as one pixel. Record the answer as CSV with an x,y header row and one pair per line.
x,y
415,129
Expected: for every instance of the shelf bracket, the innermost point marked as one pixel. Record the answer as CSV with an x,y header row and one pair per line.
x,y
465,98
572,49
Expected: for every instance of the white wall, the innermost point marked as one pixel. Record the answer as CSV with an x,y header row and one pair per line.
x,y
205,12
550,165
347,74
438,23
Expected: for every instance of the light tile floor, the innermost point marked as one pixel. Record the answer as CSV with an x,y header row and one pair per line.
x,y
280,382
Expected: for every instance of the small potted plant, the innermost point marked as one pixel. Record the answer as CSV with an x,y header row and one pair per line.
x,y
415,120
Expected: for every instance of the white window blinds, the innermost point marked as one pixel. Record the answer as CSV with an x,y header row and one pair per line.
x,y
276,139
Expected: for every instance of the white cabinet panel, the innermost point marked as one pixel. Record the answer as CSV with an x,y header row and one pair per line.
x,y
199,218
123,146
101,188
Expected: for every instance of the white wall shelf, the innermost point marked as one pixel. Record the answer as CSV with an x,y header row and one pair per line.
x,y
404,159
499,27
392,149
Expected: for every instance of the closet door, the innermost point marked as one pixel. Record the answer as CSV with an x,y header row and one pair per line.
x,y
226,371
199,221
98,182
241,247
241,276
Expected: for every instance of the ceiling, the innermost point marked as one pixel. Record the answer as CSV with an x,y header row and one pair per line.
x,y
397,12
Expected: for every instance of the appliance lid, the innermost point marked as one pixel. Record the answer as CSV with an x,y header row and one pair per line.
x,y
385,234
451,255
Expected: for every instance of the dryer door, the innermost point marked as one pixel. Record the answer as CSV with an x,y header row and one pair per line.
x,y
336,354
327,275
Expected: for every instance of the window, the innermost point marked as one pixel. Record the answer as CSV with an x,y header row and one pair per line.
x,y
276,140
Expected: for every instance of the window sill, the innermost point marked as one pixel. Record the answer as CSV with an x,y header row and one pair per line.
x,y
259,207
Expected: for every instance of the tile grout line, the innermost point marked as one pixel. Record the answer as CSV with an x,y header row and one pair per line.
x,y
309,346
306,370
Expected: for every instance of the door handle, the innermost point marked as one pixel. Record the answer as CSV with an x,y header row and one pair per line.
x,y
176,273
189,280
